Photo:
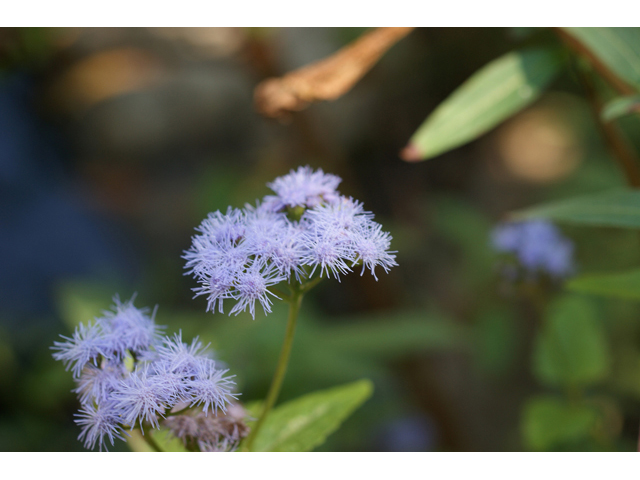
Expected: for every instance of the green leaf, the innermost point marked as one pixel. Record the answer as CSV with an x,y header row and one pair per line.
x,y
304,423
571,349
494,93
393,334
496,341
618,208
619,107
81,303
549,422
617,48
624,285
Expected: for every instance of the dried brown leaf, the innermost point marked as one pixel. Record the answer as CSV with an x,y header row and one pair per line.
x,y
326,79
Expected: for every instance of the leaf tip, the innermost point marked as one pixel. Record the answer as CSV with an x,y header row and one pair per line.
x,y
410,153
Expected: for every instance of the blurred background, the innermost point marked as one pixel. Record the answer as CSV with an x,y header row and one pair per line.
x,y
116,143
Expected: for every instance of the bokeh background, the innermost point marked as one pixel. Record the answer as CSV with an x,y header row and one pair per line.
x,y
116,143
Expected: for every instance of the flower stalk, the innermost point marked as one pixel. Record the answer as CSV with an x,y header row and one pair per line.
x,y
276,384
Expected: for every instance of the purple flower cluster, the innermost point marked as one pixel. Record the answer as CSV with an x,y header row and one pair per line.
x,y
129,375
307,226
538,245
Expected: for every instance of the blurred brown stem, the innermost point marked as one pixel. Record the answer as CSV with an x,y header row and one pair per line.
x,y
327,79
620,85
620,148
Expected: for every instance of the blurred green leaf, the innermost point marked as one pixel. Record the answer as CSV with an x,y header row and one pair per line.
x,y
392,334
464,225
47,376
619,107
81,301
618,285
496,340
571,349
253,409
617,48
325,353
304,423
521,33
550,421
494,93
618,208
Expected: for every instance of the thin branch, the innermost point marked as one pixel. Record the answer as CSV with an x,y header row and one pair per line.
x,y
574,44
620,148
151,442
280,294
308,286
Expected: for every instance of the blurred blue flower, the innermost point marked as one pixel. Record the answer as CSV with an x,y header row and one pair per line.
x,y
538,245
414,433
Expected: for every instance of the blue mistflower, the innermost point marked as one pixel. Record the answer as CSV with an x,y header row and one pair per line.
x,y
538,245
328,249
372,249
129,328
210,388
88,344
304,187
144,396
307,227
127,376
99,422
98,383
252,286
180,357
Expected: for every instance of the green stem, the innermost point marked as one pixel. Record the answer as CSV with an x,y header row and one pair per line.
x,y
151,442
308,286
283,361
280,294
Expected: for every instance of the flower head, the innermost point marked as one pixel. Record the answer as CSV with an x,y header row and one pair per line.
x,y
180,357
99,422
303,187
143,397
372,249
128,328
210,388
252,286
307,227
87,344
538,245
97,383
